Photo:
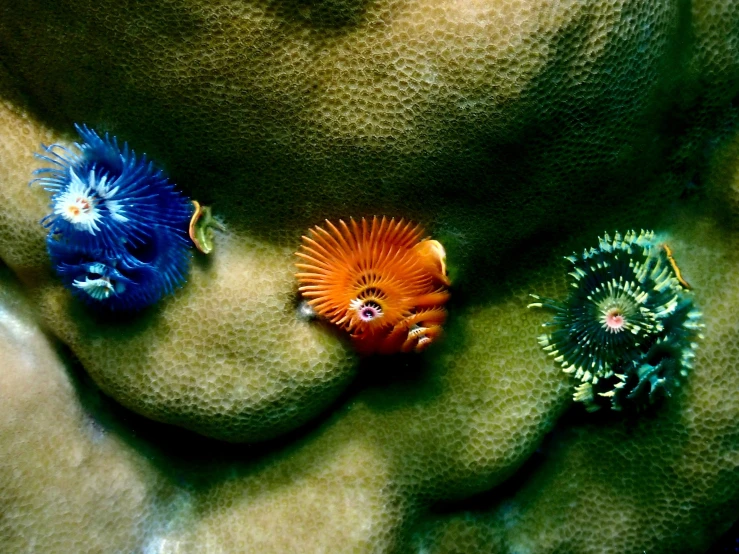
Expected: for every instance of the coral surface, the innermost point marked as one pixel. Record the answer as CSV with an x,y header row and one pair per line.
x,y
513,131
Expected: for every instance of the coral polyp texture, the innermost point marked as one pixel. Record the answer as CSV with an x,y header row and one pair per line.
x,y
379,281
628,329
516,128
118,228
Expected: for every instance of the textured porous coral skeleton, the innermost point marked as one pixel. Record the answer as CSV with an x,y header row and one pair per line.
x,y
515,132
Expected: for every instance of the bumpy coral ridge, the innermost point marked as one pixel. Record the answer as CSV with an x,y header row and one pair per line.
x,y
502,127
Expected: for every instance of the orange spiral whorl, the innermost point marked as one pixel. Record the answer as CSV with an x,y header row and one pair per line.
x,y
379,281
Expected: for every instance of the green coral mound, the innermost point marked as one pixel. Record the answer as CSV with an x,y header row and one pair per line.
x,y
514,131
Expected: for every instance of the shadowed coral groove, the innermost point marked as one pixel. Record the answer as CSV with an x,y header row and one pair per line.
x,y
513,131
